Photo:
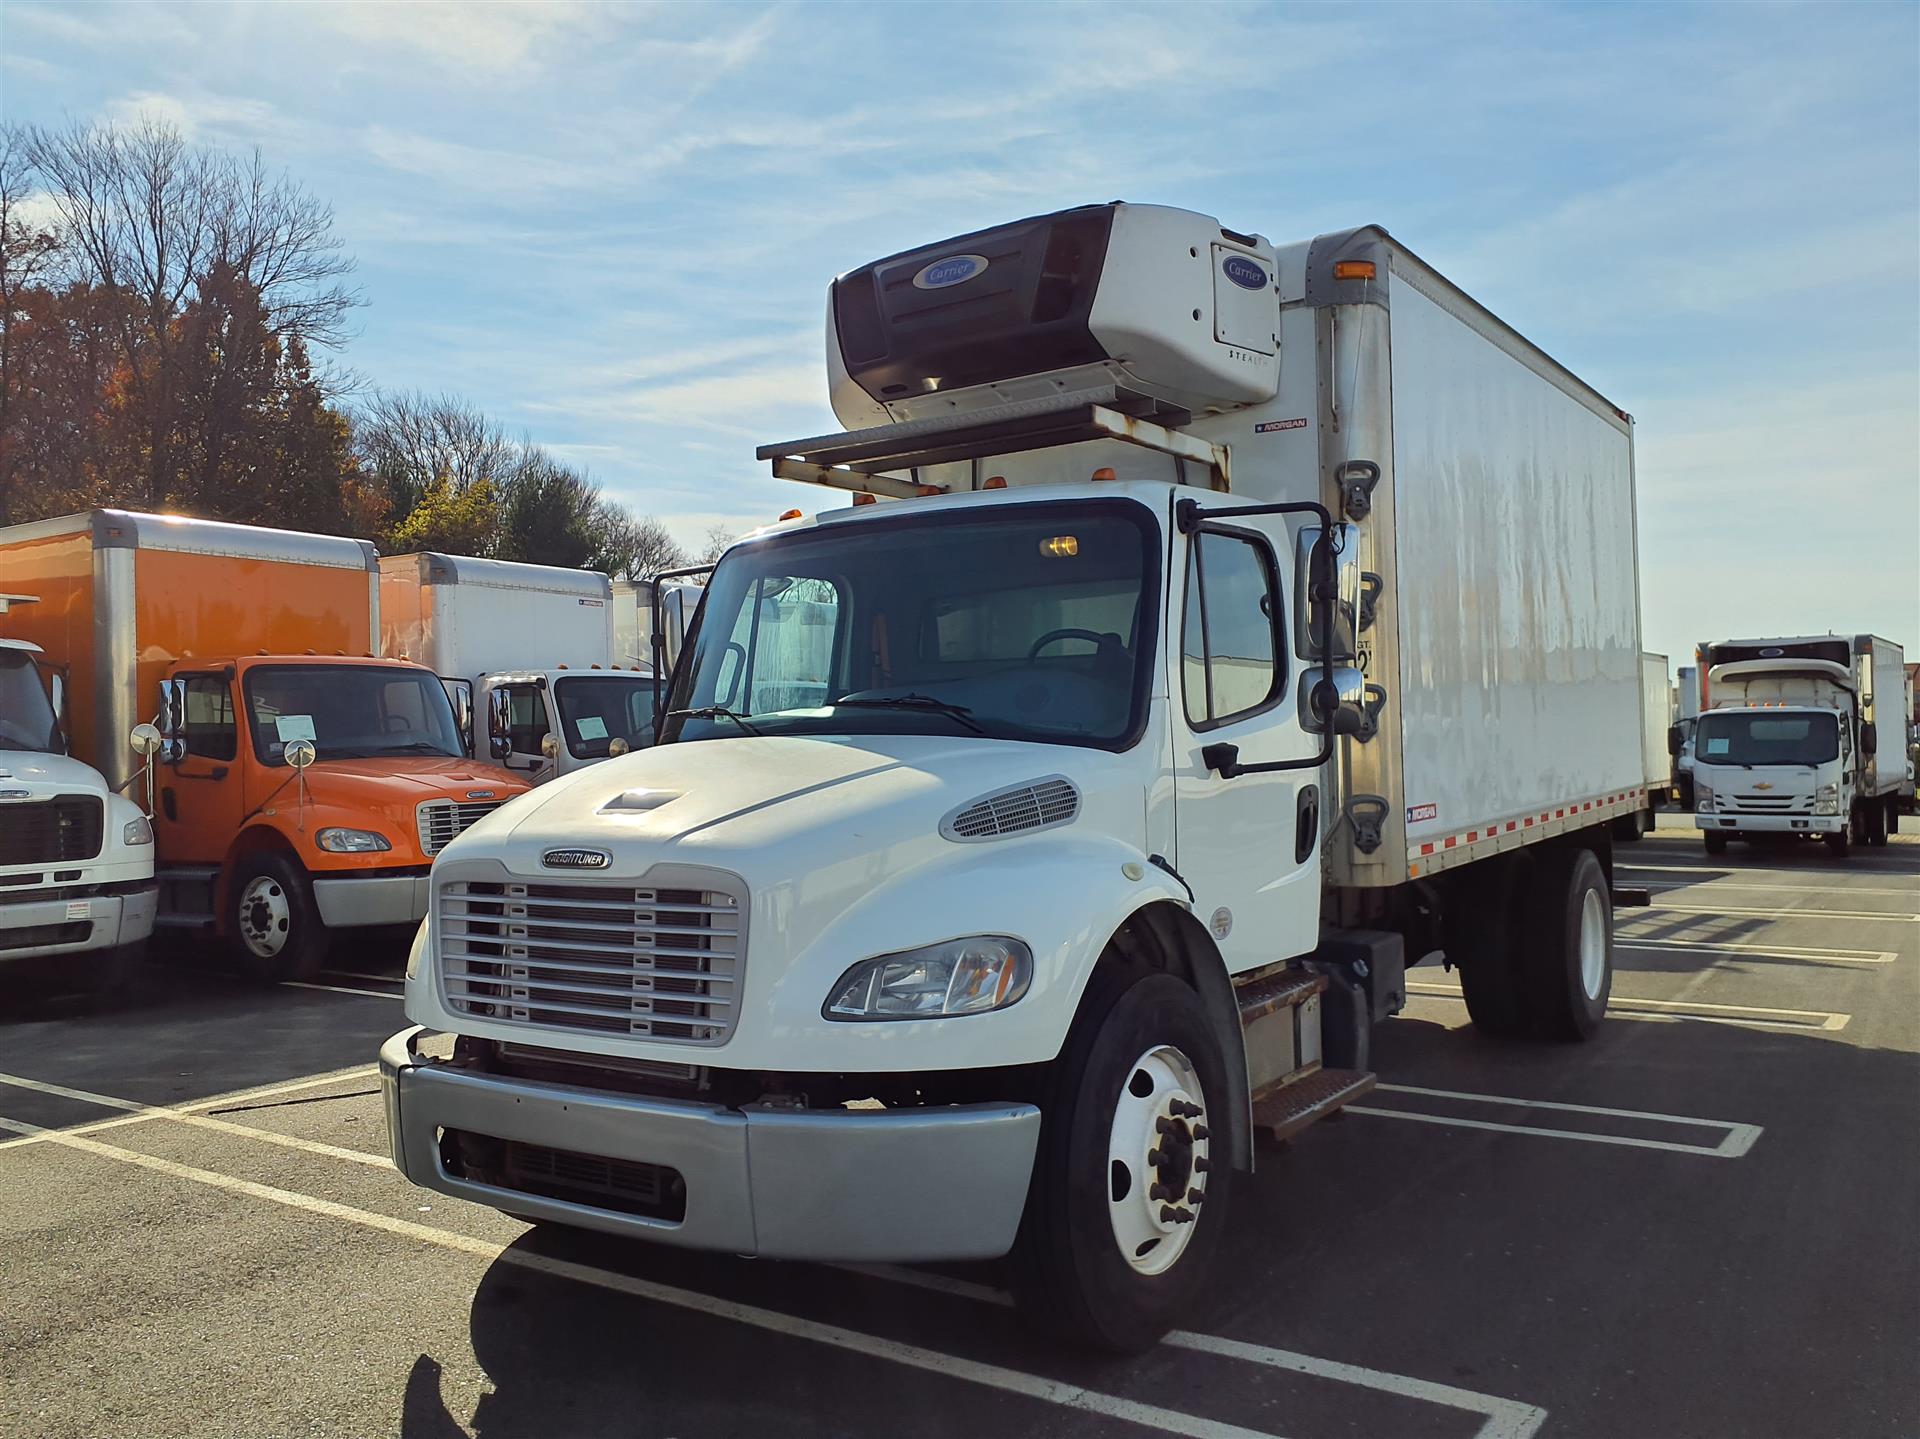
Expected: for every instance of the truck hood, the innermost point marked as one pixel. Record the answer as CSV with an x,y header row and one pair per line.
x,y
408,779
787,804
47,773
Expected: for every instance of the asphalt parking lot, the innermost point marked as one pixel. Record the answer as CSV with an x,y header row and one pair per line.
x,y
1706,1222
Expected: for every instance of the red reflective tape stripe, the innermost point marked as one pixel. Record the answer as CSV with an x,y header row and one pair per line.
x,y
1449,843
1510,826
1472,835
1426,849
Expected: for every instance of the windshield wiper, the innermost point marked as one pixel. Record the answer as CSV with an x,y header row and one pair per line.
x,y
959,714
419,746
707,712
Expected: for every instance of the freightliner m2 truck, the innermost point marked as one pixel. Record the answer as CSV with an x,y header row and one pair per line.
x,y
76,860
1789,740
302,786
1219,628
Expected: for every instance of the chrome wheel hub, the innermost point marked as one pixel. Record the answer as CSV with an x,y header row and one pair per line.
x,y
1593,943
1159,1151
265,917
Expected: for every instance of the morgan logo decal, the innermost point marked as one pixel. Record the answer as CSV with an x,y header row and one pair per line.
x,y
954,270
1418,812
576,859
1268,427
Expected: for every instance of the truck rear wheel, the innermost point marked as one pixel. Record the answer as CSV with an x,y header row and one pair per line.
x,y
1481,942
1130,1188
273,925
1876,821
1715,840
1570,962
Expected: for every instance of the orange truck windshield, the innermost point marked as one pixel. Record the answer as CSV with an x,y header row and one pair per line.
x,y
349,712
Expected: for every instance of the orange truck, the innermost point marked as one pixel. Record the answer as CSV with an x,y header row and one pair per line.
x,y
299,785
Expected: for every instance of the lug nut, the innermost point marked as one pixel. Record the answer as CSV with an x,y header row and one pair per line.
x,y
1199,1131
1200,1165
1157,1190
1169,1215
1183,1216
1163,1125
1194,1196
1153,1158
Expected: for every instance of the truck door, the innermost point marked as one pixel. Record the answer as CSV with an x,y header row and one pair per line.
x,y
200,797
528,723
1247,846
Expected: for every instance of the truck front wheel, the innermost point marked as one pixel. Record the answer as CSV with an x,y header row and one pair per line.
x,y
1570,970
1131,1182
273,925
1716,841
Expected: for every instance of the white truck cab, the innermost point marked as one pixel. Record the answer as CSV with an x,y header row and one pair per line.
x,y
1788,744
528,653
1024,838
76,860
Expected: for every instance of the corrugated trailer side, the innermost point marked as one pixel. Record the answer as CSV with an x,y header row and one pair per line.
x,y
1506,539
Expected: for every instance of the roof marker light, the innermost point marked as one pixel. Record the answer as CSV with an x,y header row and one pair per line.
x,y
1353,269
789,515
861,497
1104,473
995,482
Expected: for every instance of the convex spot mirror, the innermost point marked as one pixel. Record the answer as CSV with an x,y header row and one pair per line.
x,y
300,753
145,739
1313,590
1339,704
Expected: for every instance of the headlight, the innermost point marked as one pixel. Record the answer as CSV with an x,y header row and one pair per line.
x,y
350,841
1702,796
962,976
138,831
1826,799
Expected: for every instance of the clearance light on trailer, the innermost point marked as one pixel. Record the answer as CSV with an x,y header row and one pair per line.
x,y
1105,473
1060,546
995,482
927,492
1353,269
863,498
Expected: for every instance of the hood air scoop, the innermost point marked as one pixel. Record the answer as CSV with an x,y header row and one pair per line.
x,y
1039,804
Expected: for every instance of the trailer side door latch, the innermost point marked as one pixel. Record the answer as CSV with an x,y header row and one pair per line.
x,y
1356,479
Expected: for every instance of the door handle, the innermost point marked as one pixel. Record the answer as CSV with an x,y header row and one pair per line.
x,y
219,771
1306,829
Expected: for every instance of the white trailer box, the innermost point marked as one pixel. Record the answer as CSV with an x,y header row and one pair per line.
x,y
1880,669
1656,703
463,617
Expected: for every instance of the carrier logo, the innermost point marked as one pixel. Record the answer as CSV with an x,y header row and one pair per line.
x,y
576,859
1244,273
954,270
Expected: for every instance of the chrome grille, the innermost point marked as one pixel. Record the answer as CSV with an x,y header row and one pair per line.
x,y
1039,805
604,958
441,820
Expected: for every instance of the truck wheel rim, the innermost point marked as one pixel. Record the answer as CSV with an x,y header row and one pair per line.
x,y
1158,1153
265,916
1593,943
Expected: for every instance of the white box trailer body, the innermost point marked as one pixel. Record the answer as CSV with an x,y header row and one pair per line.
x,y
540,637
1656,704
1183,698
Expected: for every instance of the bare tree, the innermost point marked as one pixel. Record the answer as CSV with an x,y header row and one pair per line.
x,y
718,538
27,251
407,440
633,547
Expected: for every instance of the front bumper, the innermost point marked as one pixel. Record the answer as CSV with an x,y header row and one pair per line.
x,y
348,900
868,1185
121,915
1734,822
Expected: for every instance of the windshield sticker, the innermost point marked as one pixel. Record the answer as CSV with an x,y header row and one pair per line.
x,y
592,727
1716,745
293,727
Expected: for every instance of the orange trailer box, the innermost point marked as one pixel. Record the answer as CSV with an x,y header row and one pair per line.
x,y
303,785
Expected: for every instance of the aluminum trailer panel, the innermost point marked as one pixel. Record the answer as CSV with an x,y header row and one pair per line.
x,y
1881,671
1655,703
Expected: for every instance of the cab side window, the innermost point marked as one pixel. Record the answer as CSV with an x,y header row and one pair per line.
x,y
209,730
1232,657
526,718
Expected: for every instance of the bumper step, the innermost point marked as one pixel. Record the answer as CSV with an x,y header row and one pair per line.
x,y
1291,1108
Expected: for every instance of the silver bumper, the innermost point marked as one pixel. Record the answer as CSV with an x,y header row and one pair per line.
x,y
345,901
1733,821
125,917
897,1185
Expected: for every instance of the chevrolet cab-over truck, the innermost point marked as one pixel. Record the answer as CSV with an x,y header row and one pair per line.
x,y
1218,629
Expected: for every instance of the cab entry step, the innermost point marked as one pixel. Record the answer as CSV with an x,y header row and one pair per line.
x,y
1290,1109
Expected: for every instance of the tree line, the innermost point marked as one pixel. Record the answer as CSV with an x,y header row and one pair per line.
x,y
173,320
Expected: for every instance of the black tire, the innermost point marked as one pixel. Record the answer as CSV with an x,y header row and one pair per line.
x,y
1839,843
1483,943
1716,841
1569,955
282,905
1071,1277
1876,822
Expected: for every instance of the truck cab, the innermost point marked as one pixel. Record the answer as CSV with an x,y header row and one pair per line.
x,y
76,860
544,723
298,795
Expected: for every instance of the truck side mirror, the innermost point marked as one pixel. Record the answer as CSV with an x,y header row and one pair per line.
x,y
499,723
1339,706
460,692
171,721
57,690
1314,589
1869,738
1676,741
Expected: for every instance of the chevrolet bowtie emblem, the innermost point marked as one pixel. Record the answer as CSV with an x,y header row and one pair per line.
x,y
1764,784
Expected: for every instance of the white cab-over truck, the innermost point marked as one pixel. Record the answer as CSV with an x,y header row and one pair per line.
x,y
1788,741
1238,625
528,653
76,860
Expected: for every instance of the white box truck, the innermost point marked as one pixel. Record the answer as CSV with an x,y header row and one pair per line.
x,y
1656,718
529,652
77,889
1788,741
1241,624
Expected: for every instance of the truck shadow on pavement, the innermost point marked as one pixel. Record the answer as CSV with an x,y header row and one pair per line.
x,y
1575,1276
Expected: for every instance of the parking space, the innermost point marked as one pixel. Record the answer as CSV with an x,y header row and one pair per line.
x,y
1701,1223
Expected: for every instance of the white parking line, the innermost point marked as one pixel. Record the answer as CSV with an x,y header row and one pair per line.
x,y
1717,912
1779,951
1716,885
140,1113
341,989
1691,1010
1013,1381
1854,866
1505,1418
1738,1140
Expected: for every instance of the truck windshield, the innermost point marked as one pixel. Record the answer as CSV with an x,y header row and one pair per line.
x,y
596,710
350,712
1032,622
1729,737
26,716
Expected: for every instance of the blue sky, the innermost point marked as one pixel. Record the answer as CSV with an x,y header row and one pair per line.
x,y
613,226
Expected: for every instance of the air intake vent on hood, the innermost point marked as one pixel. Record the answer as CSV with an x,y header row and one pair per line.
x,y
1040,805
